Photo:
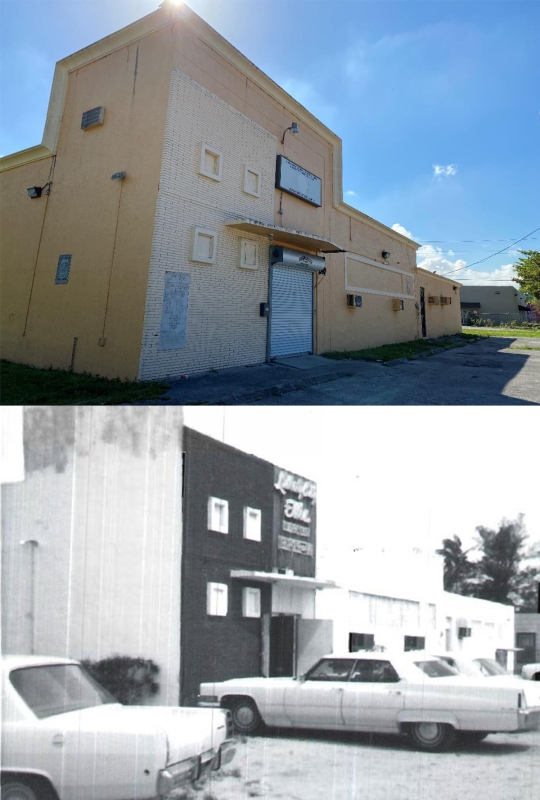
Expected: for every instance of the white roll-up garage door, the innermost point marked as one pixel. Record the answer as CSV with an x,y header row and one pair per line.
x,y
292,311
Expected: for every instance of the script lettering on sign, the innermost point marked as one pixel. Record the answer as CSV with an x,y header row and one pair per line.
x,y
287,482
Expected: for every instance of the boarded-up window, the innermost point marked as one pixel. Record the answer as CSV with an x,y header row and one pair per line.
x,y
174,311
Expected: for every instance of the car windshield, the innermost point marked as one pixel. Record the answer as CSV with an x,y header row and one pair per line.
x,y
434,668
489,667
57,688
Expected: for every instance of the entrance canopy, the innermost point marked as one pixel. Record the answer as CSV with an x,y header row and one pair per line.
x,y
296,581
294,238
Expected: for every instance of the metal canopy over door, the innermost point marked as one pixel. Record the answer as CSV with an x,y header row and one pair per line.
x,y
291,330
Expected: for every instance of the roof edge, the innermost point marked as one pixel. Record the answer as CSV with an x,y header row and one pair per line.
x,y
439,277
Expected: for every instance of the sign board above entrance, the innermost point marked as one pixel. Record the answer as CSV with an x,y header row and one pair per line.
x,y
295,258
296,180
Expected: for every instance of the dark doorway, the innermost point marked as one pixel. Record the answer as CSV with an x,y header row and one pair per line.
x,y
282,646
423,311
527,643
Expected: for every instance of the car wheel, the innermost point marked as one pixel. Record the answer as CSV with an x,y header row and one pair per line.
x,y
245,715
471,737
14,790
432,735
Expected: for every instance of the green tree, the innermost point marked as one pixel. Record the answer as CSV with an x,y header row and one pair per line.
x,y
500,568
458,570
528,272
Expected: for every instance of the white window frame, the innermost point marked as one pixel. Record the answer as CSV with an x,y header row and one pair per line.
x,y
221,526
196,256
207,148
251,602
256,172
217,600
253,537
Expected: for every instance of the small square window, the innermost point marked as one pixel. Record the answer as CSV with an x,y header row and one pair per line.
x,y
211,163
249,254
251,602
252,524
216,599
252,181
204,246
218,515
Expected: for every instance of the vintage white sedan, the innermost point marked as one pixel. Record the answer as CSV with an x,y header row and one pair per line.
x,y
477,666
65,738
531,672
371,691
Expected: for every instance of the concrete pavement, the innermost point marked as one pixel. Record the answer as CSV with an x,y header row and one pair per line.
x,y
491,371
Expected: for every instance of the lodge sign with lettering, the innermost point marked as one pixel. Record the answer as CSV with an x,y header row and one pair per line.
x,y
295,180
295,506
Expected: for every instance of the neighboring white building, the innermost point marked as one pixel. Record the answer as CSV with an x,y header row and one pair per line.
x,y
395,599
91,538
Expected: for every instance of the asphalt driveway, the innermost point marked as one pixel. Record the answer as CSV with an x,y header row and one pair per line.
x,y
492,371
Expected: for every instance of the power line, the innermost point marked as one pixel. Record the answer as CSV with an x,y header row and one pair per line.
x,y
468,266
474,241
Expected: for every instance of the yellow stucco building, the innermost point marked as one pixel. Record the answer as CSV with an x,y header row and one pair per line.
x,y
184,213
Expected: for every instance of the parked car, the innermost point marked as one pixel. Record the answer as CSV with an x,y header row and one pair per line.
x,y
477,666
64,737
420,696
531,672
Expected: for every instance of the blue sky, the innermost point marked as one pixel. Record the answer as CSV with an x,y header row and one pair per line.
x,y
437,103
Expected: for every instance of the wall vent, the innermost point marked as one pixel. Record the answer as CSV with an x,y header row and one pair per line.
x,y
92,118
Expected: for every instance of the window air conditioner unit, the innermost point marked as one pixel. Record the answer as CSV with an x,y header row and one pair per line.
x,y
446,301
463,633
433,300
398,305
354,301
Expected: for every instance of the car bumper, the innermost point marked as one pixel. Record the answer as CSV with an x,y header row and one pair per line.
x,y
216,761
529,719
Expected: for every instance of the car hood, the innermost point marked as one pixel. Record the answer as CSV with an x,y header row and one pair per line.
x,y
181,732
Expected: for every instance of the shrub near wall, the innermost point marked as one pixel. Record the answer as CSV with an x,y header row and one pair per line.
x,y
130,680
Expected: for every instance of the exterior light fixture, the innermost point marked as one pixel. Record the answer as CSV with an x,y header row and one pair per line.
x,y
385,254
293,128
118,176
35,191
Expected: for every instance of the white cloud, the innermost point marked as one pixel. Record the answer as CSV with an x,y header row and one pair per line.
x,y
476,277
350,193
435,259
444,172
400,229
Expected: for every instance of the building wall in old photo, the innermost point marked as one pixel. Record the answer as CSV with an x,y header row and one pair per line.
x,y
92,536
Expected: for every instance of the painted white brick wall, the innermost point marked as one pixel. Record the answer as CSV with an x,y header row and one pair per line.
x,y
224,328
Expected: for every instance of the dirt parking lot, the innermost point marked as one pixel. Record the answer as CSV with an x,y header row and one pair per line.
x,y
359,767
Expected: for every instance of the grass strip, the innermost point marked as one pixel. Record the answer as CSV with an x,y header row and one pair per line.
x,y
23,385
504,333
389,352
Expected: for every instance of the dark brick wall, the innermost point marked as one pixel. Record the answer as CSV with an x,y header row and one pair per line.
x,y
217,648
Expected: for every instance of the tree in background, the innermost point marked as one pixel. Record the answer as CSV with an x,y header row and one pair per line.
x,y
458,570
499,568
504,573
528,273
